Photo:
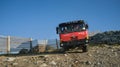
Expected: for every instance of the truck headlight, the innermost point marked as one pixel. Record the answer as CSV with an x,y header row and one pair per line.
x,y
86,41
61,44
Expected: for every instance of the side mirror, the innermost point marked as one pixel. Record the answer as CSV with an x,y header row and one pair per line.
x,y
86,26
57,30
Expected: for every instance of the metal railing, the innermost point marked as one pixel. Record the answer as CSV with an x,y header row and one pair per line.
x,y
12,45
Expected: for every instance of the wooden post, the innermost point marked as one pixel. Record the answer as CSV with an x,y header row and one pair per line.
x,y
8,44
57,44
46,43
31,45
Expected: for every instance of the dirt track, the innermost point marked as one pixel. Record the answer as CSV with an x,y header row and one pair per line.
x,y
97,56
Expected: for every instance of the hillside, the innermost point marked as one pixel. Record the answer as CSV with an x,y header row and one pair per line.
x,y
108,37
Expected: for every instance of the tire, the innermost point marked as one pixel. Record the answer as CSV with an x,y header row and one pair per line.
x,y
85,48
65,48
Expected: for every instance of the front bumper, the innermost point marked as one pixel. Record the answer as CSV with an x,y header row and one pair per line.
x,y
74,42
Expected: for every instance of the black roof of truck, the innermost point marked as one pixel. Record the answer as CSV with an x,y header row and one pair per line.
x,y
72,22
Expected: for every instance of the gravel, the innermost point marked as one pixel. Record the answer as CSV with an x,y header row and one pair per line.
x,y
107,56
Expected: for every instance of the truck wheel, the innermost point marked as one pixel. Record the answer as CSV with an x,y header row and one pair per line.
x,y
65,48
85,48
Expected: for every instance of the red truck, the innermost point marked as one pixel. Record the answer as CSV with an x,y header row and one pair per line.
x,y
73,34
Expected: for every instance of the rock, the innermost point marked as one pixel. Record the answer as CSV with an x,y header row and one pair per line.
x,y
97,51
65,60
106,46
110,47
14,64
115,53
89,54
98,63
39,61
43,65
7,66
53,63
76,61
41,56
35,63
33,58
65,54
112,50
24,59
58,58
70,65
82,62
88,62
46,56
9,59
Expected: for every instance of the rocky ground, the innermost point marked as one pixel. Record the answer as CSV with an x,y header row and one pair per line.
x,y
97,56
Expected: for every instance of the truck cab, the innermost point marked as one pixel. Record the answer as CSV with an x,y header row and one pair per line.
x,y
73,34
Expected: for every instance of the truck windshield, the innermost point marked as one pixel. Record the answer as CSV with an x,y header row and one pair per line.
x,y
72,28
